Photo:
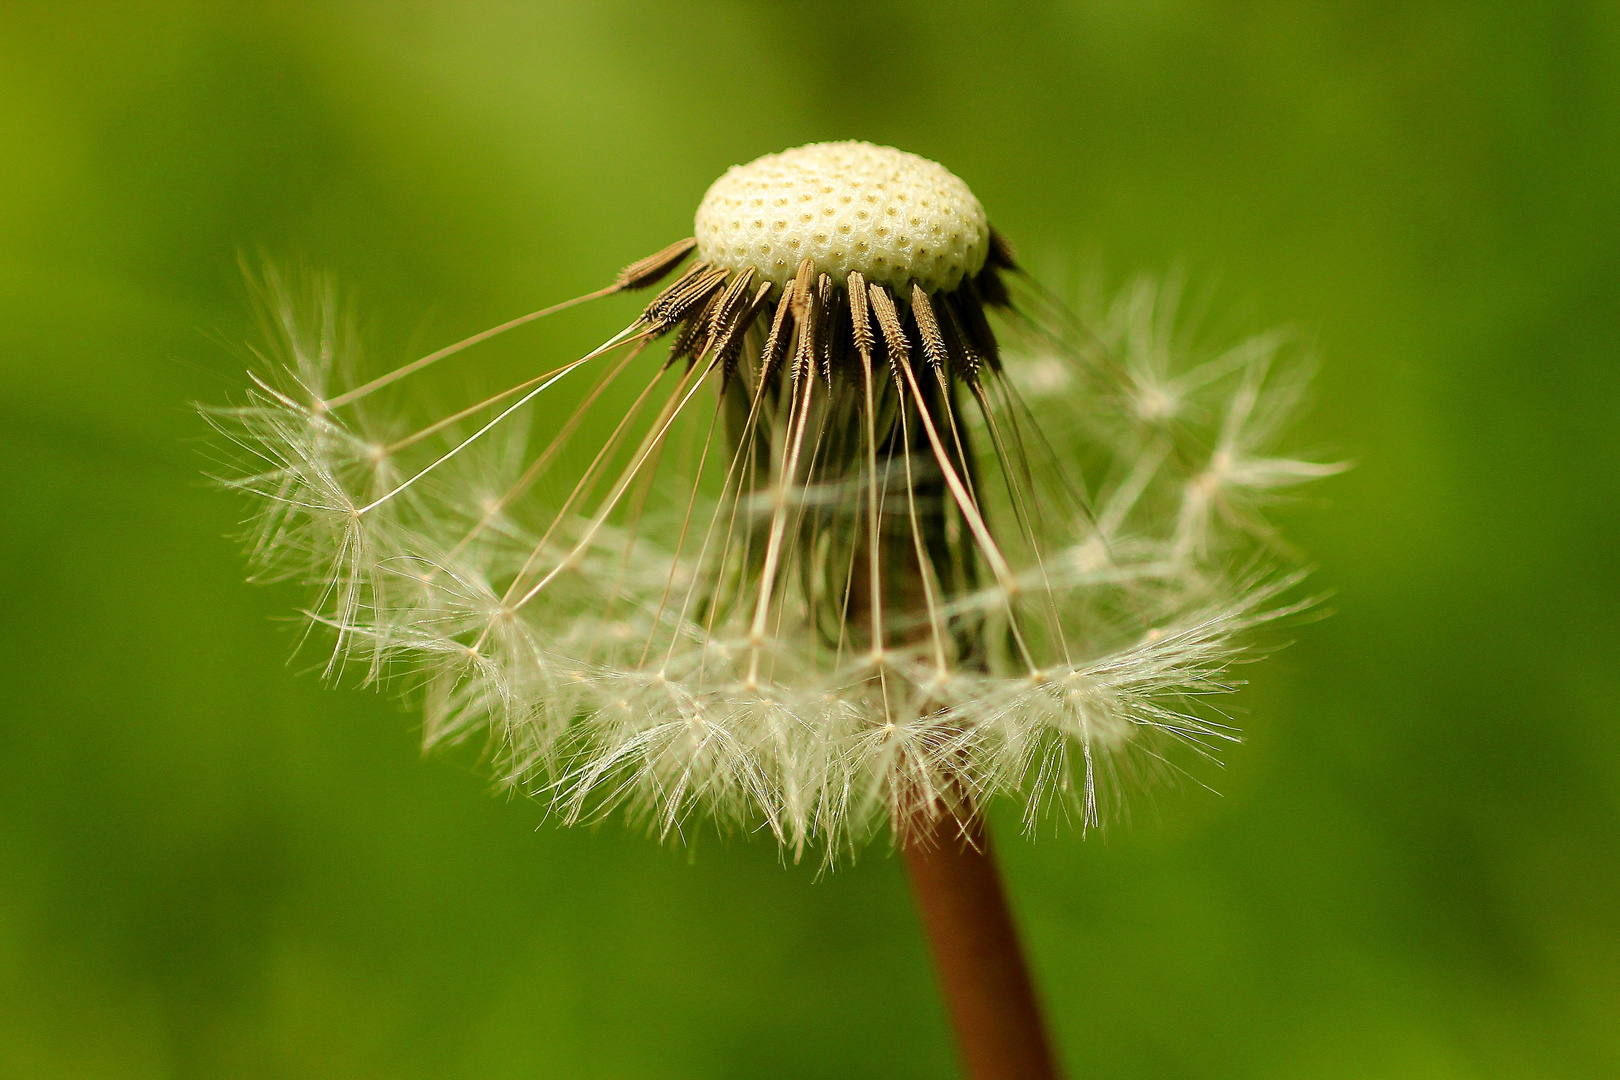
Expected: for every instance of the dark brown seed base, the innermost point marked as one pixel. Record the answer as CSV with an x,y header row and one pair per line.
x,y
820,327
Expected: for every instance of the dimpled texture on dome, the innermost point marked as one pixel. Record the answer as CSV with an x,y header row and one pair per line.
x,y
894,217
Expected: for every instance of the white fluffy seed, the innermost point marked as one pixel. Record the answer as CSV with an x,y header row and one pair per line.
x,y
894,217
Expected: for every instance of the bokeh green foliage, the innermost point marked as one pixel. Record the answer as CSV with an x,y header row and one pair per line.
x,y
212,865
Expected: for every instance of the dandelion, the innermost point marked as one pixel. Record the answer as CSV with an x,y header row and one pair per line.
x,y
883,534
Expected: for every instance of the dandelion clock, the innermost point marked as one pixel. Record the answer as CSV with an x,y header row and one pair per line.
x,y
885,533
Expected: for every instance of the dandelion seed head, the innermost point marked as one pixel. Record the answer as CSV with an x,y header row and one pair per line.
x,y
845,563
893,217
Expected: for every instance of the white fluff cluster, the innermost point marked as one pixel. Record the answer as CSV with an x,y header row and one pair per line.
x,y
601,624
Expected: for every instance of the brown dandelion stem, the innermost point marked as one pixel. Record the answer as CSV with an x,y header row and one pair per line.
x,y
982,973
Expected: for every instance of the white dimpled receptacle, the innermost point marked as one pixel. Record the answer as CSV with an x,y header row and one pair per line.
x,y
894,217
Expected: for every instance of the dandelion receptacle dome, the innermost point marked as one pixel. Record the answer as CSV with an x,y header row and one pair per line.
x,y
893,217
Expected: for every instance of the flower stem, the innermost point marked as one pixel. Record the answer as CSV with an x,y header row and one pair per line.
x,y
982,972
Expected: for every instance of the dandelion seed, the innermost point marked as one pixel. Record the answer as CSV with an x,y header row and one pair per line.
x,y
849,561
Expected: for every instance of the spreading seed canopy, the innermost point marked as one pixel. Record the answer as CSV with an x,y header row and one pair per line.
x,y
835,557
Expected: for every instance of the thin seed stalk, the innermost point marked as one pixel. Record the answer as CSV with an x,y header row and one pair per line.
x,y
983,976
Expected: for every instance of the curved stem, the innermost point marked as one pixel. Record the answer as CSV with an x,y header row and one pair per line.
x,y
982,973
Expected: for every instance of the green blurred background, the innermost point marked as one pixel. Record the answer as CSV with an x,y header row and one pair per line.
x,y
213,866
